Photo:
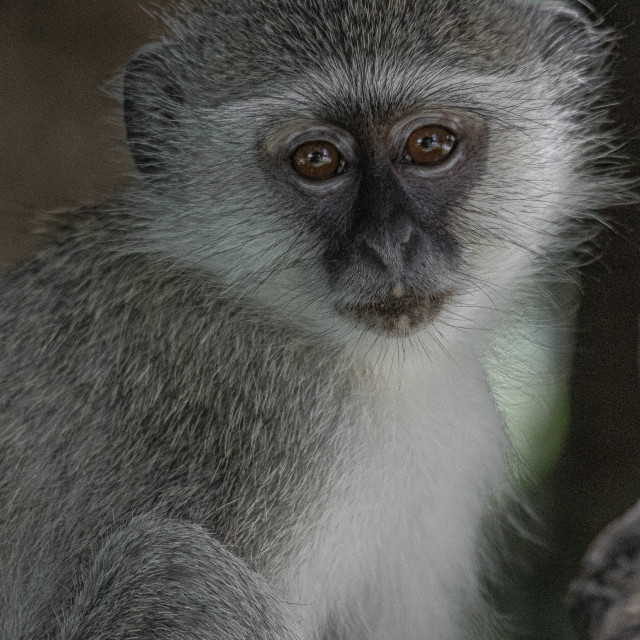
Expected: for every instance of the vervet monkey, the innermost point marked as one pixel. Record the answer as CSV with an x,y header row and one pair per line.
x,y
247,397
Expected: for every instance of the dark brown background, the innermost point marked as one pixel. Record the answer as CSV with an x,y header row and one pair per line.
x,y
59,133
599,475
61,144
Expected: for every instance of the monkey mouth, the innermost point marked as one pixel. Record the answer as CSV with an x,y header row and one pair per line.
x,y
396,316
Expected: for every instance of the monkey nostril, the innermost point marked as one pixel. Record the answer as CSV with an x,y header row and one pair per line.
x,y
408,243
374,252
406,240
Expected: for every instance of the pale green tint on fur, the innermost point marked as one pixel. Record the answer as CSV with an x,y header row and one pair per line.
x,y
531,383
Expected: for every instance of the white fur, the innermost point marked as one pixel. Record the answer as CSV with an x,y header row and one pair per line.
x,y
397,548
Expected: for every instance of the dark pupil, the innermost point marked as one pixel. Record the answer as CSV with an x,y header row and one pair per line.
x,y
428,142
319,158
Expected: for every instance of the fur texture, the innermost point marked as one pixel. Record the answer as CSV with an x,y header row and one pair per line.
x,y
193,443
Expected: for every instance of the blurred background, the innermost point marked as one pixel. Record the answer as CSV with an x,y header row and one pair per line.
x,y
62,144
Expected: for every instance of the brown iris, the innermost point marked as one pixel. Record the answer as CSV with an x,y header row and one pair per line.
x,y
317,160
430,145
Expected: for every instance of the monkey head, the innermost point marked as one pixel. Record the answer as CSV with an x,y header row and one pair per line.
x,y
372,166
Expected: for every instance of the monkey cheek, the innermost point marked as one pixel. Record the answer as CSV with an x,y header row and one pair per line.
x,y
396,317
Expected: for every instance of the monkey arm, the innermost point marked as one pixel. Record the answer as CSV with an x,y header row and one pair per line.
x,y
160,579
605,599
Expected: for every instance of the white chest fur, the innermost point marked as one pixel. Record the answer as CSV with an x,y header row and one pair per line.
x,y
395,550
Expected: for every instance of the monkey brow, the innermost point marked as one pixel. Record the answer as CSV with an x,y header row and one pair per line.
x,y
379,94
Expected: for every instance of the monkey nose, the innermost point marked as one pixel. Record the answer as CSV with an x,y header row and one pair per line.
x,y
389,248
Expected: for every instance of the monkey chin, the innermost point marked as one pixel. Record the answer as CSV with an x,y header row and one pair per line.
x,y
396,317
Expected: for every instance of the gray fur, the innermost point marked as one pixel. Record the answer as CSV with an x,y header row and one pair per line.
x,y
161,411
104,451
165,579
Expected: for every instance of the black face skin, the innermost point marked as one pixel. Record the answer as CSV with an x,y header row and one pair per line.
x,y
385,223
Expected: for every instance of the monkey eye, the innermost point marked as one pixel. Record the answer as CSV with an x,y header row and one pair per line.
x,y
429,145
318,160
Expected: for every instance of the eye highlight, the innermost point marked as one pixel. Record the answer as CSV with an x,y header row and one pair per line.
x,y
429,145
318,160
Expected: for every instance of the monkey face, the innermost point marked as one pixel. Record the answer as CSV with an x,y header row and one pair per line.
x,y
378,195
379,171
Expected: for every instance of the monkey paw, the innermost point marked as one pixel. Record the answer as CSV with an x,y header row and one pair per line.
x,y
604,600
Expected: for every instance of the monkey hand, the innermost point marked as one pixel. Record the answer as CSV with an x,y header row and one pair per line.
x,y
604,600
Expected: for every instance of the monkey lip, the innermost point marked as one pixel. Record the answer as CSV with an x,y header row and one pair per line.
x,y
396,316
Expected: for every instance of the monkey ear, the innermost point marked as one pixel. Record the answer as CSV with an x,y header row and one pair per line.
x,y
152,100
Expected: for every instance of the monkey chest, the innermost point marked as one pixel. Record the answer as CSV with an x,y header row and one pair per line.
x,y
394,552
